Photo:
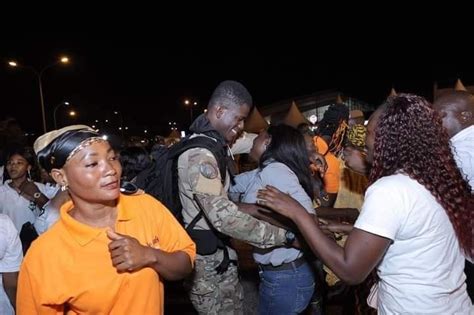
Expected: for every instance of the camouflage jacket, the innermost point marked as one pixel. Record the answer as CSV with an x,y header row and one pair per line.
x,y
199,176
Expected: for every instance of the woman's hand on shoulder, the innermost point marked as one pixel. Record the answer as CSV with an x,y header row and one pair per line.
x,y
279,202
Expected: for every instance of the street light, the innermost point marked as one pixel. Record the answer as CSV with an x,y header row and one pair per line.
x,y
55,110
188,103
119,113
39,74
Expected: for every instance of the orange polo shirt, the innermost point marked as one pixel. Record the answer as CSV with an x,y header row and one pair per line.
x,y
333,174
68,269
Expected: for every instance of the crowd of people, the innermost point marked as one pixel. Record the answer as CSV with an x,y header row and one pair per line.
x,y
385,209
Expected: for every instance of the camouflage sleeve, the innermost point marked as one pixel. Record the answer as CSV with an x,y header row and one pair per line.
x,y
222,213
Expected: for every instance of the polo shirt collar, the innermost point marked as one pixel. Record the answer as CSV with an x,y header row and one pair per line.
x,y
83,233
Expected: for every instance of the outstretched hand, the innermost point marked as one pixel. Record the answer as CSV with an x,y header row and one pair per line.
x,y
126,252
279,202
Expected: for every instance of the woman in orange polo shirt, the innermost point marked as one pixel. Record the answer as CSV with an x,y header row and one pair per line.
x,y
108,252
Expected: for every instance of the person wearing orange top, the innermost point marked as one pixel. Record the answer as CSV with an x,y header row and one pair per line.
x,y
109,252
333,173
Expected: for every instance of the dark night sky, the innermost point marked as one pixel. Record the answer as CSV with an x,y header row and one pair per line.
x,y
147,82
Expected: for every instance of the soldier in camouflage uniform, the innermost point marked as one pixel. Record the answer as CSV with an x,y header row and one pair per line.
x,y
213,289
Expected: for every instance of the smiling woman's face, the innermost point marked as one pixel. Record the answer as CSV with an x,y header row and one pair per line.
x,y
93,173
260,144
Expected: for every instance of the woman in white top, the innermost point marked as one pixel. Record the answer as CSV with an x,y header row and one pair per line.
x,y
416,224
21,198
286,279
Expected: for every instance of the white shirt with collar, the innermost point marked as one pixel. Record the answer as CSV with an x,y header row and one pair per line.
x,y
462,145
17,207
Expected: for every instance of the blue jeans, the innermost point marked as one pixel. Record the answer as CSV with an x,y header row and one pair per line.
x,y
285,291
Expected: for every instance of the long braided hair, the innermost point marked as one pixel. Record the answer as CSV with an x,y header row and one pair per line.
x,y
334,125
410,138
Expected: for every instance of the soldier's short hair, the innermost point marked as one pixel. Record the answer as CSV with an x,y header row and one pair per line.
x,y
230,94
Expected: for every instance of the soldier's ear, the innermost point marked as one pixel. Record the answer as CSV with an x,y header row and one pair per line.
x,y
220,110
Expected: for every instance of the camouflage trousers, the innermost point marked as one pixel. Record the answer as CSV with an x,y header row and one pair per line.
x,y
213,293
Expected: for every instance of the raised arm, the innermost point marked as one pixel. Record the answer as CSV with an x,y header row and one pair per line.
x,y
353,262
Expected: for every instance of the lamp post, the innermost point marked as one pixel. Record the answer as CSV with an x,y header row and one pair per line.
x,y
39,74
190,104
55,110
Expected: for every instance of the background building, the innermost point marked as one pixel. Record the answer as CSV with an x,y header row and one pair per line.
x,y
313,105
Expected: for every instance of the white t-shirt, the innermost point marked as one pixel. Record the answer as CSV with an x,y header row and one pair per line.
x,y
47,219
422,270
11,256
17,207
462,145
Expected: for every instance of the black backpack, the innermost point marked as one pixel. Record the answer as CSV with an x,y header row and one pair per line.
x,y
161,179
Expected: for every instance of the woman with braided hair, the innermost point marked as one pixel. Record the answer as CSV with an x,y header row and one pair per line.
x,y
416,223
329,141
333,126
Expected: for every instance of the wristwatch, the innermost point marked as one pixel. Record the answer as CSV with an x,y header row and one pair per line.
x,y
290,238
37,195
